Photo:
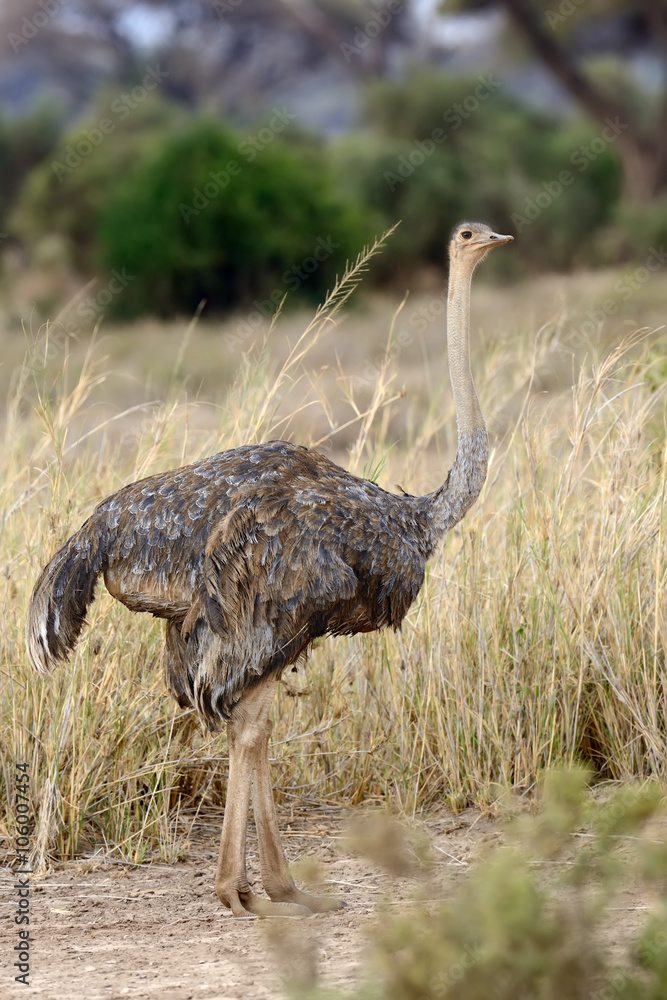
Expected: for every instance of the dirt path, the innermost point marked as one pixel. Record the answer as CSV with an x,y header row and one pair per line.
x,y
159,931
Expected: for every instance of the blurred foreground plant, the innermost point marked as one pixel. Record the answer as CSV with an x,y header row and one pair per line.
x,y
532,920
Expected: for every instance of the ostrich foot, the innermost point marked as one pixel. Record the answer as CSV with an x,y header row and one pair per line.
x,y
290,895
244,903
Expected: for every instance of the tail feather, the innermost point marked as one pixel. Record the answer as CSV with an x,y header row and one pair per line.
x,y
60,599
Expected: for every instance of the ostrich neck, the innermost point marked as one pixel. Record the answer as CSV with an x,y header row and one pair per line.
x,y
469,417
464,483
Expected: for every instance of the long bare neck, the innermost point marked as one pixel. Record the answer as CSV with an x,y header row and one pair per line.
x,y
468,412
464,483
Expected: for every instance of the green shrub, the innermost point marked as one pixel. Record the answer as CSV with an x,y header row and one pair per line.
x,y
445,147
637,228
67,193
581,184
211,217
24,143
427,206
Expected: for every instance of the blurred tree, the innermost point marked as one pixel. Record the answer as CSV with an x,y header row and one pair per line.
x,y
426,159
66,193
62,48
24,143
230,55
553,29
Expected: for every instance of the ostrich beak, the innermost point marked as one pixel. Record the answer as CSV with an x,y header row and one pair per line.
x,y
496,239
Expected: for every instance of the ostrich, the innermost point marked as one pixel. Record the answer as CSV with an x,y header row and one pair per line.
x,y
249,556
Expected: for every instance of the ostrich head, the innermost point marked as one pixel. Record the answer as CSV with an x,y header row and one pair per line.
x,y
471,241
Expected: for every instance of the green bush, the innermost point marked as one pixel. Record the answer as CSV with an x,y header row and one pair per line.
x,y
24,143
638,228
576,191
428,203
67,193
443,148
212,217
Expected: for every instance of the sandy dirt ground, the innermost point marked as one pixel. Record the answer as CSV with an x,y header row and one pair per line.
x,y
114,930
111,930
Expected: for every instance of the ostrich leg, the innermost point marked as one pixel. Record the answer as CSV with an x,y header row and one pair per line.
x,y
276,879
248,734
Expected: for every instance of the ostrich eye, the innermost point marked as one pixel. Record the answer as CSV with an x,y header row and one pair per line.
x,y
466,234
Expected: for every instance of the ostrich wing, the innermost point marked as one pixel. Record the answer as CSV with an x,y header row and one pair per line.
x,y
269,588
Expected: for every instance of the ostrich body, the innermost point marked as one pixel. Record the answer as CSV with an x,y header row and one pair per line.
x,y
250,555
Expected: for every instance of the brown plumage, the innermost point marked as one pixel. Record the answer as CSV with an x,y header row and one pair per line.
x,y
252,554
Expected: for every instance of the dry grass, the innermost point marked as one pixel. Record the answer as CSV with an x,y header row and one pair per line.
x,y
539,637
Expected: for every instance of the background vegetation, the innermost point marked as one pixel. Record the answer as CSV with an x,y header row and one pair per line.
x,y
118,113
121,206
